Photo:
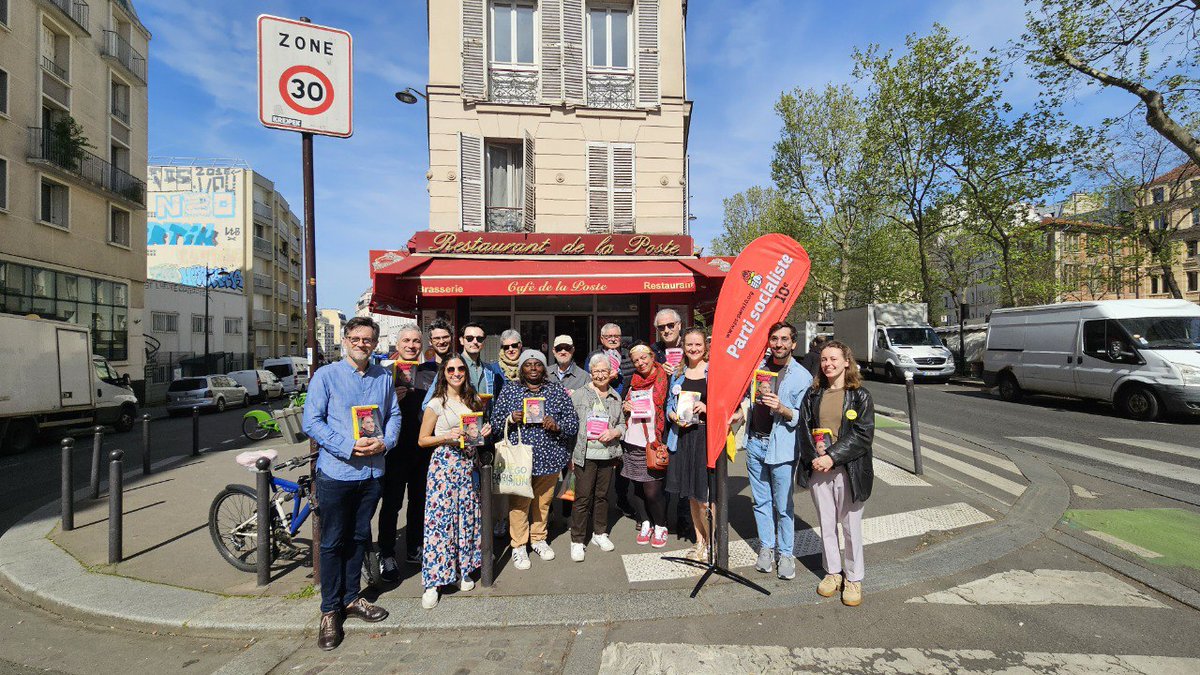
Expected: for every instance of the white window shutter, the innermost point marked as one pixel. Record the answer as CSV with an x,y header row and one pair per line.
x,y
470,177
552,51
572,51
622,188
474,64
599,218
530,185
647,53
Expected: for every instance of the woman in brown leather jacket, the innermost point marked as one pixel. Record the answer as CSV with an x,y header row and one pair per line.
x,y
838,425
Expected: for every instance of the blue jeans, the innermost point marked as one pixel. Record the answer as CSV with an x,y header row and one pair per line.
x,y
771,488
346,508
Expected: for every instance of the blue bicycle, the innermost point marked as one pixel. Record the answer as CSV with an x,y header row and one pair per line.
x,y
232,518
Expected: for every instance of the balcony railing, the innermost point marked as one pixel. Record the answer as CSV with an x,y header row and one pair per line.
x,y
47,146
262,211
505,219
119,48
121,111
261,281
262,247
611,90
53,68
507,85
77,10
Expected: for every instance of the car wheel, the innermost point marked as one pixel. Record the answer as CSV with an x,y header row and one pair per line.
x,y
126,419
1010,389
22,435
220,405
1139,402
889,373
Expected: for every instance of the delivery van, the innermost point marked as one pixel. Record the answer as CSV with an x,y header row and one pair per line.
x,y
292,371
1143,356
892,339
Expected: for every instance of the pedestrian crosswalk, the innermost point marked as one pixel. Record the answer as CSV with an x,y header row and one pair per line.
x,y
976,468
1160,446
1133,461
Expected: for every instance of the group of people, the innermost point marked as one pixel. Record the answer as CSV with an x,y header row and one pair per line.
x,y
608,426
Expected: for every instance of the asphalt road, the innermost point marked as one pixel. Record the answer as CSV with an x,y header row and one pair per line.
x,y
1159,457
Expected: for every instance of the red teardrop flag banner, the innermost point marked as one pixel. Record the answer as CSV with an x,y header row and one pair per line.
x,y
760,288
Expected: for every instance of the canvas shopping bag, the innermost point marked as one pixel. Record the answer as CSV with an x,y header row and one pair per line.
x,y
513,467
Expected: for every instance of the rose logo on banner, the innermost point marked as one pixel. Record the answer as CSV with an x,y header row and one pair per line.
x,y
743,320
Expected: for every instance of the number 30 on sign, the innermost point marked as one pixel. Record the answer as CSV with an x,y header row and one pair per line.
x,y
305,77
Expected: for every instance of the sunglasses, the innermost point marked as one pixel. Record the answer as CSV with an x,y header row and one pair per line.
x,y
563,348
473,338
456,369
515,345
665,326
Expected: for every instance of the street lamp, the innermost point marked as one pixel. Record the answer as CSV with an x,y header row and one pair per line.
x,y
207,327
409,96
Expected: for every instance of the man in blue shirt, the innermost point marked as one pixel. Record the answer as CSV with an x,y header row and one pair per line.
x,y
348,472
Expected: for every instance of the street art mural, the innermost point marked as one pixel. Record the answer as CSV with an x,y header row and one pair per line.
x,y
194,224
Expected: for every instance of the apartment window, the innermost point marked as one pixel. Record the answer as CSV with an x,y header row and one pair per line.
x,y
198,324
504,188
233,326
118,227
3,184
1191,248
1157,195
3,90
1196,217
99,304
512,32
1192,284
120,102
1154,284
610,37
610,180
54,204
4,12
56,52
164,322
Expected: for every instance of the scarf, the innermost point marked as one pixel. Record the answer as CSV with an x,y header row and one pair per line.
x,y
510,367
656,381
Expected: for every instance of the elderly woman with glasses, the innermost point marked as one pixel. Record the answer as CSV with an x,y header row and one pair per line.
x,y
596,457
645,491
552,441
510,349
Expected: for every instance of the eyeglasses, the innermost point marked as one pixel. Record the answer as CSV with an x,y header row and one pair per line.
x,y
473,338
515,345
361,340
563,348
456,369
665,326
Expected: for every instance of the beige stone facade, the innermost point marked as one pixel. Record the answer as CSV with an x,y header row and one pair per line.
x,y
72,215
1172,202
558,116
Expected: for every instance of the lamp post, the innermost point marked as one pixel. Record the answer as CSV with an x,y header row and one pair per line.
x,y
207,318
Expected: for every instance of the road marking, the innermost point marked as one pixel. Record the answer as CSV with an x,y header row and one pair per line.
x,y
1083,492
1044,587
1003,464
622,658
1148,466
743,552
1170,448
978,473
897,477
1122,544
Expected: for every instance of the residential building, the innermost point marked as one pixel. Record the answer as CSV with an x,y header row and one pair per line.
x,y
1172,203
174,328
73,95
219,223
329,333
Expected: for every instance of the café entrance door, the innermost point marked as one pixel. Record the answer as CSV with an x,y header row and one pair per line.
x,y
537,330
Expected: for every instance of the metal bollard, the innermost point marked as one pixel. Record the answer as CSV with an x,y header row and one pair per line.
x,y
487,571
914,432
263,555
721,533
146,444
195,431
68,485
115,507
97,441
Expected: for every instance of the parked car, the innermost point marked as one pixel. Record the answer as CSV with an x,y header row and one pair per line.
x,y
207,391
260,384
292,371
1143,356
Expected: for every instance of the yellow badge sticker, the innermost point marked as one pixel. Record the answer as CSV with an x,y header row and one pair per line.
x,y
851,414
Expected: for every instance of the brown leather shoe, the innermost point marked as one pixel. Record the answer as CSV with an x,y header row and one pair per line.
x,y
330,634
366,611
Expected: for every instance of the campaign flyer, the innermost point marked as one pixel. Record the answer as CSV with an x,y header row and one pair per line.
x,y
535,410
367,423
764,383
596,425
822,440
472,429
685,409
642,402
674,356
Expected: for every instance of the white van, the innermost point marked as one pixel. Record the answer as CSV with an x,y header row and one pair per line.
x,y
1141,355
292,371
260,384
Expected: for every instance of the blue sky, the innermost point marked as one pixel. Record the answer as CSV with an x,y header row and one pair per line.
x,y
370,189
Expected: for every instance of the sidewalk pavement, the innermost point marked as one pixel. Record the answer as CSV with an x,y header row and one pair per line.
x,y
172,578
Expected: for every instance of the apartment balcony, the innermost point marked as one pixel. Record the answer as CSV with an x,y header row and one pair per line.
x,y
262,248
611,90
263,213
75,10
48,149
295,269
281,320
262,319
511,85
262,283
262,351
294,296
52,67
120,110
505,219
118,49
281,290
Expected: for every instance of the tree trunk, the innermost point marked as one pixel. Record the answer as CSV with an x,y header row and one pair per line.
x,y
1169,279
843,284
927,290
1006,274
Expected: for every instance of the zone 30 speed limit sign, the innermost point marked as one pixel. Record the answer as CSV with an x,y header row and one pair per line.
x,y
305,77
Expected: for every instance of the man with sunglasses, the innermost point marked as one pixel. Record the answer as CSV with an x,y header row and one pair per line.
x,y
566,372
611,345
485,376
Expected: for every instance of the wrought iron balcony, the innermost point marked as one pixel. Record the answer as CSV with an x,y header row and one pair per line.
x,y
611,90
509,85
117,47
50,66
77,10
505,219
60,152
121,111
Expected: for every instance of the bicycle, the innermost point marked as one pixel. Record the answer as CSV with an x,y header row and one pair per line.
x,y
258,424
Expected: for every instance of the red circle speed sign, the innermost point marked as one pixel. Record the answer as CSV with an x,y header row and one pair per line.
x,y
316,90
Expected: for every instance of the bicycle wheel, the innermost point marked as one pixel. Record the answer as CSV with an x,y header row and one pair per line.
x,y
253,429
232,522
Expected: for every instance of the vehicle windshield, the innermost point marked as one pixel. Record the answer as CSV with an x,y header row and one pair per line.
x,y
188,384
1164,332
914,337
104,372
280,370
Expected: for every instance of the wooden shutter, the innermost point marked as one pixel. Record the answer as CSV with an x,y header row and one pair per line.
x,y
598,188
552,48
622,188
474,63
647,53
572,51
530,211
470,177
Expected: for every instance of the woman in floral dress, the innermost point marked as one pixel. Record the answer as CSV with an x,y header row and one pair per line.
x,y
452,522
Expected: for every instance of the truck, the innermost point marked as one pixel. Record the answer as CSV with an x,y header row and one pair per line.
x,y
51,380
893,339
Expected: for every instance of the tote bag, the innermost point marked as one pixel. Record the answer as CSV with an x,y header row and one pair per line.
x,y
513,466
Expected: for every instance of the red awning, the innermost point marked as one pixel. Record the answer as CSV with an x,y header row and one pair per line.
x,y
715,267
457,277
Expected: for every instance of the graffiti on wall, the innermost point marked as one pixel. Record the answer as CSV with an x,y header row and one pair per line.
x,y
198,179
194,221
218,277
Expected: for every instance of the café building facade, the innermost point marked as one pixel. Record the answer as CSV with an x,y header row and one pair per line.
x,y
558,173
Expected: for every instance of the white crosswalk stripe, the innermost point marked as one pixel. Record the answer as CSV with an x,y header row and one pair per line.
x,y
1044,587
897,477
1001,463
1160,446
978,473
1148,466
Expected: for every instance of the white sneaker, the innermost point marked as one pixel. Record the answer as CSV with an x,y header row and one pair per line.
x,y
429,598
520,558
543,550
466,584
577,552
603,542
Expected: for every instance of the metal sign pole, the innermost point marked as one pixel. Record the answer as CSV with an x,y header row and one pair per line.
x,y
310,312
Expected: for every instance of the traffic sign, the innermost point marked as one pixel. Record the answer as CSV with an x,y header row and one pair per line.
x,y
305,77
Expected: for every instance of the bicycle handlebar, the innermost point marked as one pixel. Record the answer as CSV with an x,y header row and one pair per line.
x,y
295,462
